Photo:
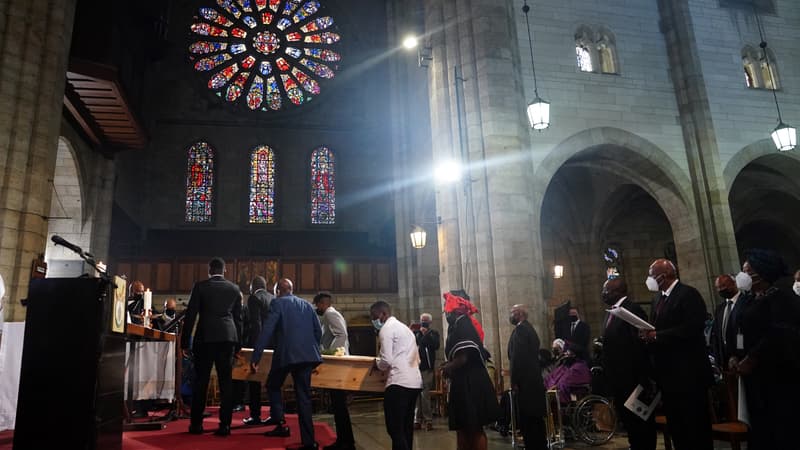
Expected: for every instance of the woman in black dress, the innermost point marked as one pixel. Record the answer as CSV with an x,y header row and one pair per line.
x,y
769,321
472,401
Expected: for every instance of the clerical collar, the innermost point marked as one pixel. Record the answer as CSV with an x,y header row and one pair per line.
x,y
670,288
619,302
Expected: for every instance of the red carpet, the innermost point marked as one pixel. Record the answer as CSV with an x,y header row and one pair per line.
x,y
176,437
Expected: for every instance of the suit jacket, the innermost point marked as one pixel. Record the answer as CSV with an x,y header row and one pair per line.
x,y
257,312
526,375
427,343
334,331
579,339
724,349
218,302
625,359
294,328
680,360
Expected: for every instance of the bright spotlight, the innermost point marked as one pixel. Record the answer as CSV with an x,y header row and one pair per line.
x,y
447,172
410,42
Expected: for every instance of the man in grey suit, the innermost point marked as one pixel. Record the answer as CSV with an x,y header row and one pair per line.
x,y
294,329
218,302
258,308
334,336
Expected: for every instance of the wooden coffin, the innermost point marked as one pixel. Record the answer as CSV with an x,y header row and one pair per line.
x,y
349,373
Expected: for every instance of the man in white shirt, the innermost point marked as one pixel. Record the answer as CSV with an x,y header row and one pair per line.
x,y
400,358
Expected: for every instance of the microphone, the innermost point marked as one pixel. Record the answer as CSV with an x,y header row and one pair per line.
x,y
58,240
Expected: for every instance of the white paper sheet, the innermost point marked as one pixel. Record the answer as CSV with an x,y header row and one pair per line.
x,y
631,318
642,405
10,365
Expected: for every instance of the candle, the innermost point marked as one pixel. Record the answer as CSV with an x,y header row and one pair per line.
x,y
148,300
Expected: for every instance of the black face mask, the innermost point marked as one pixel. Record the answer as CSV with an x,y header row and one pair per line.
x,y
514,321
607,299
169,312
320,312
573,318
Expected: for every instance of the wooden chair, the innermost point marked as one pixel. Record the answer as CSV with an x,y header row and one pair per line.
x,y
732,430
439,395
661,425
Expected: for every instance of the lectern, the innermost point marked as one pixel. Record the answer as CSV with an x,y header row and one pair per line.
x,y
71,380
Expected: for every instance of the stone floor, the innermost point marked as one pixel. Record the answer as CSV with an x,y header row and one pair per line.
x,y
370,433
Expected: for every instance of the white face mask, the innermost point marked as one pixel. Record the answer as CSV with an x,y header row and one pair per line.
x,y
796,287
652,284
744,282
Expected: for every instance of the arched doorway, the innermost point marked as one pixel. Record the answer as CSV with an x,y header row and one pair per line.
x,y
620,192
765,206
67,216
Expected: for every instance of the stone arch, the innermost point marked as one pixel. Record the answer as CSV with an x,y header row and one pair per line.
x,y
69,215
749,154
618,166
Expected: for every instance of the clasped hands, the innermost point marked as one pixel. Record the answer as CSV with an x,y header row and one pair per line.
x,y
647,335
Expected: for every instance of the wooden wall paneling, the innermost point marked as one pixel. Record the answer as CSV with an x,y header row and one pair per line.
x,y
163,283
344,272
308,277
289,270
326,277
200,271
244,273
365,277
125,268
383,281
185,276
272,272
143,271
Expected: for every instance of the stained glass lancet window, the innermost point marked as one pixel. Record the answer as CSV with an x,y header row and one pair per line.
x,y
262,185
199,183
323,187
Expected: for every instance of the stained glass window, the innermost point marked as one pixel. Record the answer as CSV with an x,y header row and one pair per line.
x,y
584,58
323,187
262,185
266,54
199,183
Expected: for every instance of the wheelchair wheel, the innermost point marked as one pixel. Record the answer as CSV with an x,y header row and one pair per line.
x,y
594,420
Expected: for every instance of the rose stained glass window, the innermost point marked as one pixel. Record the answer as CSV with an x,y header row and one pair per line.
x,y
262,185
323,187
199,183
266,54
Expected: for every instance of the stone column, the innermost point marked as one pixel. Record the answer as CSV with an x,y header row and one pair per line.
x,y
34,51
715,228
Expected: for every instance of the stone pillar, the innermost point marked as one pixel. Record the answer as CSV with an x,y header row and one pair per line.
x,y
499,256
716,234
34,51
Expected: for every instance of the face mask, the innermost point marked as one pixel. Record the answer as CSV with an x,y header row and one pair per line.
x,y
796,287
652,284
320,312
514,321
425,324
377,324
744,282
573,318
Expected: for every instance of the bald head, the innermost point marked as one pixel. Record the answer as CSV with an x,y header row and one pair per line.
x,y
726,286
518,314
613,290
284,287
664,271
137,288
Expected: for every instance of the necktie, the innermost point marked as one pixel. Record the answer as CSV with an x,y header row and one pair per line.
x,y
725,316
661,302
572,329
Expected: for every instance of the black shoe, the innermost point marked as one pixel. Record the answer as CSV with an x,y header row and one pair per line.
x,y
280,431
139,414
195,429
253,421
272,421
237,408
223,430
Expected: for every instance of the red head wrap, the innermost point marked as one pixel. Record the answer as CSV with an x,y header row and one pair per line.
x,y
456,304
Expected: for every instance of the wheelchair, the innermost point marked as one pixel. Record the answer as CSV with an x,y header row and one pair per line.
x,y
587,417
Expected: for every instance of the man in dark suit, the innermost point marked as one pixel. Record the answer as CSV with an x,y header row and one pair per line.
x,y
258,310
294,329
218,302
526,379
626,363
724,330
579,335
680,360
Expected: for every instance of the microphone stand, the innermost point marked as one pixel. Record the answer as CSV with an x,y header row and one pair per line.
x,y
179,410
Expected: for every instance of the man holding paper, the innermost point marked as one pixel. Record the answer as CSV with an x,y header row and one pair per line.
x,y
680,360
626,363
